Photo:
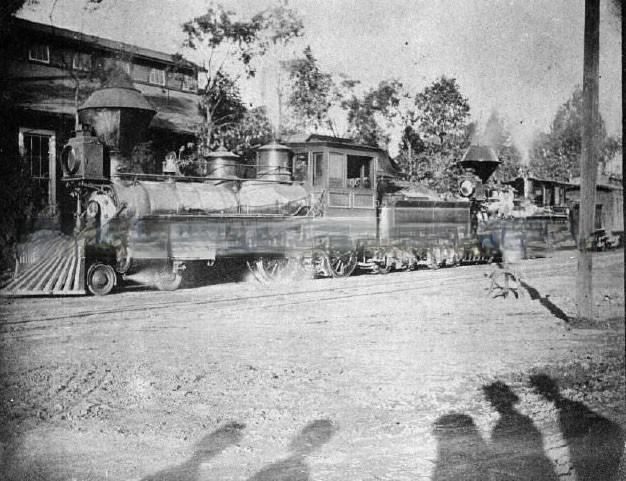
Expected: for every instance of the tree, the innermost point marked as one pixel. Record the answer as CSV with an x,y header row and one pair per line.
x,y
252,130
442,112
411,146
221,38
441,122
11,7
311,93
371,117
497,136
556,154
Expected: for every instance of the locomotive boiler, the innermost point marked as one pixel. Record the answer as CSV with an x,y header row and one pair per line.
x,y
324,204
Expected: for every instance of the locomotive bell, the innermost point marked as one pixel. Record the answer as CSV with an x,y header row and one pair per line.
x,y
222,164
120,117
273,162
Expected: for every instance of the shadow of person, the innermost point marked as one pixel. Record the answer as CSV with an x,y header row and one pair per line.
x,y
516,443
294,468
462,453
595,444
208,447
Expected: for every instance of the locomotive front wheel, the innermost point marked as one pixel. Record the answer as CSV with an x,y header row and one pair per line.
x,y
101,279
342,265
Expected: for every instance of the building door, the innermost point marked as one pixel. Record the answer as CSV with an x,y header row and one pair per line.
x,y
38,150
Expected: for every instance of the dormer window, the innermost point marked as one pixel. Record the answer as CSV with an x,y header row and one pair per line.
x,y
82,62
157,76
39,53
189,83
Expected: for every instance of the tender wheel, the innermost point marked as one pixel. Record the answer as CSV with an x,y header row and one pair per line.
x,y
317,264
342,264
382,268
101,279
168,280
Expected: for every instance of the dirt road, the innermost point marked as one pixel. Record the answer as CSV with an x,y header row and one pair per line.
x,y
330,379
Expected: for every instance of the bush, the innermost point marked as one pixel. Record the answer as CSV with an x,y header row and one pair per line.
x,y
21,199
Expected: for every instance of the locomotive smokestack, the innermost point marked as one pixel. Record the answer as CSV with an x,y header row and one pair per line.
x,y
120,116
481,159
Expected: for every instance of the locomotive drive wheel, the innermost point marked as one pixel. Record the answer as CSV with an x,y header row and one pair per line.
x,y
269,269
342,264
101,279
167,280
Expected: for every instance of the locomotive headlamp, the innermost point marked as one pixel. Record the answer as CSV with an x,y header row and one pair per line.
x,y
69,160
467,188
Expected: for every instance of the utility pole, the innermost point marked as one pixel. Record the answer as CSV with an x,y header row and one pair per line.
x,y
589,157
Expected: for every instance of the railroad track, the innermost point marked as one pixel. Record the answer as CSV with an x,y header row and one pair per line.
x,y
365,286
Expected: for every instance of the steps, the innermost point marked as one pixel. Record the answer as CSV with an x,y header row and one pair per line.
x,y
48,264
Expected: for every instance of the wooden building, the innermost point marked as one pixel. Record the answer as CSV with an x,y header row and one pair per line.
x,y
546,193
609,210
50,71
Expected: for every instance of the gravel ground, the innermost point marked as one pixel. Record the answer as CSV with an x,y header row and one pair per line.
x,y
329,379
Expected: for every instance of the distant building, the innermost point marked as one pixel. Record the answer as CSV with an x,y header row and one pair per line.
x,y
609,212
44,64
542,192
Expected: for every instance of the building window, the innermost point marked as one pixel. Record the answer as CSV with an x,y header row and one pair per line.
x,y
82,62
37,148
359,172
124,66
300,169
190,84
39,53
157,76
318,168
336,171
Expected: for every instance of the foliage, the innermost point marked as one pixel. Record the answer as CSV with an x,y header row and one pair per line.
x,y
436,135
11,7
223,104
20,199
556,154
497,136
442,112
311,93
252,130
221,38
369,116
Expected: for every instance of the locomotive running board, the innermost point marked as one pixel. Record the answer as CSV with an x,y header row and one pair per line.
x,y
49,267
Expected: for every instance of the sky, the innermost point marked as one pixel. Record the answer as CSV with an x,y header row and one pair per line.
x,y
522,58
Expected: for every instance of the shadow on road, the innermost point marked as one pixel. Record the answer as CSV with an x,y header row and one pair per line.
x,y
295,468
462,453
516,443
596,444
208,447
545,301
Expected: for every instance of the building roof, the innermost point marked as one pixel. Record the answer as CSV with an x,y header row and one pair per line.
x,y
603,183
177,112
103,43
537,179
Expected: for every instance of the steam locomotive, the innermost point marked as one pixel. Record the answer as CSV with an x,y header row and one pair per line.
x,y
321,204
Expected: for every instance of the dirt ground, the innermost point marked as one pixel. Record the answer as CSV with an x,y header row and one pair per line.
x,y
412,375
